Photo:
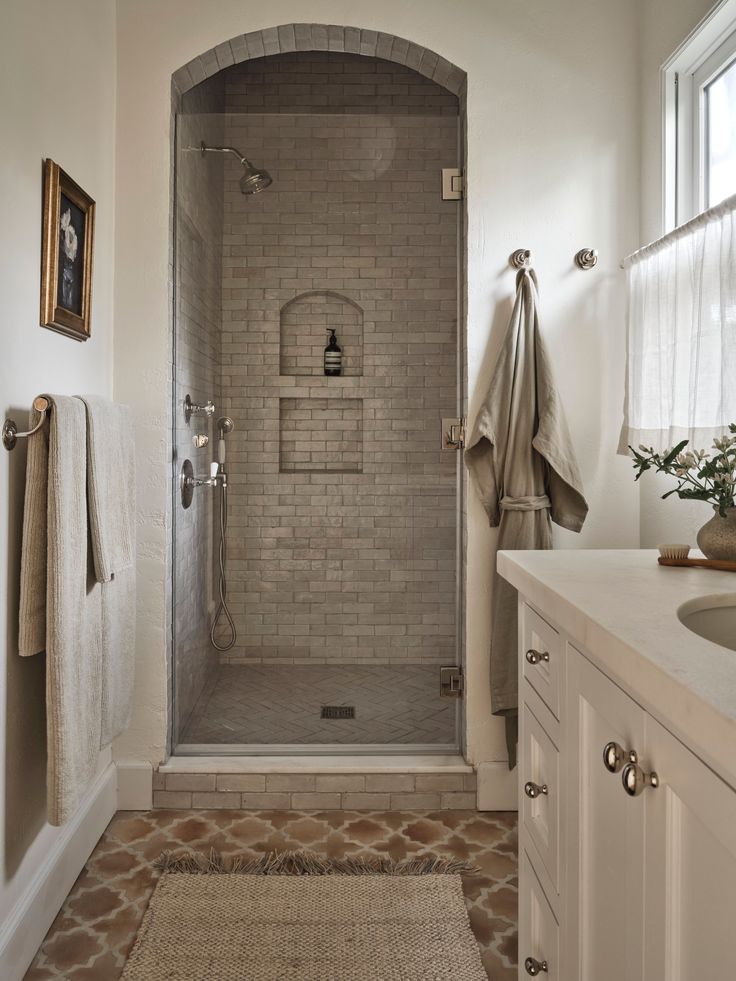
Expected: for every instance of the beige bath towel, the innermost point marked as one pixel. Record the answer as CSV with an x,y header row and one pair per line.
x,y
522,463
111,493
60,601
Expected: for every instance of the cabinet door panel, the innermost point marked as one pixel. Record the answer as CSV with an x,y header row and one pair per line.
x,y
605,832
538,929
690,872
540,765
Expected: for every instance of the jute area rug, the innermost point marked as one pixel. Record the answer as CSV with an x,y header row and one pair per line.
x,y
294,917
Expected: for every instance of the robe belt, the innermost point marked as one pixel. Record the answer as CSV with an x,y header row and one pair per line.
x,y
530,503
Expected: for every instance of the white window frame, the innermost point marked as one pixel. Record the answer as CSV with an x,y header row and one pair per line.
x,y
700,58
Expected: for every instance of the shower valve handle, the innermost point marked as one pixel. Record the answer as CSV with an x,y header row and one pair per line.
x,y
189,480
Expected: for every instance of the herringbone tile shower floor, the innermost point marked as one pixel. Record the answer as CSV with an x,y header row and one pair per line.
x,y
273,703
96,927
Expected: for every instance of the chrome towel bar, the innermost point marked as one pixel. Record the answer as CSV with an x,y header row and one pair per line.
x,y
10,429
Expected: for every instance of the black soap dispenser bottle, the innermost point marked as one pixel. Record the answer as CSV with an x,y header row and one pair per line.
x,y
333,355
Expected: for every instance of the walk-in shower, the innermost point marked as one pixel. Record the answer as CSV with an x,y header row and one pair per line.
x,y
315,582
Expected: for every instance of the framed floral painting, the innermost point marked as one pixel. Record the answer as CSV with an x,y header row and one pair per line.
x,y
66,254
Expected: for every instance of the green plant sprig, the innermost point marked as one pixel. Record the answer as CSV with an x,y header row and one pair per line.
x,y
701,475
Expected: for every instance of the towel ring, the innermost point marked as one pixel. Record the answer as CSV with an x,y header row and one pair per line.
x,y
520,258
10,429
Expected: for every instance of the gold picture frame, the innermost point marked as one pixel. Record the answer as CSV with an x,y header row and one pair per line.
x,y
66,254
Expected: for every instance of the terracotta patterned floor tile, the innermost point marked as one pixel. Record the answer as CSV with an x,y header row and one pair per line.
x,y
92,934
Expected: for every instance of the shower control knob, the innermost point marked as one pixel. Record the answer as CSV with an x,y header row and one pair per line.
x,y
195,409
200,440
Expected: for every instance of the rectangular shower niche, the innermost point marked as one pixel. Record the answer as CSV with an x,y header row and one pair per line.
x,y
321,435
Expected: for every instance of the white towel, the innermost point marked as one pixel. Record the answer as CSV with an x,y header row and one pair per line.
x,y
111,493
60,601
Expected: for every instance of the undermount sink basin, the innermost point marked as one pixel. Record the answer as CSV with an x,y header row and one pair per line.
x,y
712,617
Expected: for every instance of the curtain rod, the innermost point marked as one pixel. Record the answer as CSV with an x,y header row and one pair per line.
x,y
717,211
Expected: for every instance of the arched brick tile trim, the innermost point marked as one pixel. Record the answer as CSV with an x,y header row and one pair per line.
x,y
319,37
308,294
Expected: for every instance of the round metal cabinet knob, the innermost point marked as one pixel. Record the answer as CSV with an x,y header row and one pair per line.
x,y
635,780
614,757
535,789
534,967
534,657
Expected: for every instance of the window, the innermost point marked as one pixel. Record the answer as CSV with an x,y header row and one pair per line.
x,y
719,157
700,118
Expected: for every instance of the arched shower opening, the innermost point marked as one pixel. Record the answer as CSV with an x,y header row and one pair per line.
x,y
344,533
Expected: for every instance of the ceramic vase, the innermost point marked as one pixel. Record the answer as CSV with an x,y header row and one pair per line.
x,y
717,537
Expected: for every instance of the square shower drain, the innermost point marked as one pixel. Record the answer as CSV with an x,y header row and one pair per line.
x,y
337,712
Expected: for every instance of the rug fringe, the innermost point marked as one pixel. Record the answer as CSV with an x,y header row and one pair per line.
x,y
306,863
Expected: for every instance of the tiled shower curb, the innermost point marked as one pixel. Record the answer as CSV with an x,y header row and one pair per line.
x,y
315,783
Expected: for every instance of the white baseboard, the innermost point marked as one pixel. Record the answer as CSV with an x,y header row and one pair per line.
x,y
23,931
497,787
135,785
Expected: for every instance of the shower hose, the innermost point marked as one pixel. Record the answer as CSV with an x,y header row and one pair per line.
x,y
222,609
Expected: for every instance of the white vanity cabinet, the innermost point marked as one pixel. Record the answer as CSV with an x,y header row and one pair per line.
x,y
627,839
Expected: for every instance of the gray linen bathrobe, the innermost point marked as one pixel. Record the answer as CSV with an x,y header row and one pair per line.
x,y
523,466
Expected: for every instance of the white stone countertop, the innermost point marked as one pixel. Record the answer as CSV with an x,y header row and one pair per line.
x,y
620,607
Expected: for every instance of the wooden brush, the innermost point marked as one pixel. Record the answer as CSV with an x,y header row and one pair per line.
x,y
718,564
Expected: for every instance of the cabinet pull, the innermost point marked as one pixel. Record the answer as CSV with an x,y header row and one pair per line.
x,y
535,789
614,757
635,780
534,657
535,967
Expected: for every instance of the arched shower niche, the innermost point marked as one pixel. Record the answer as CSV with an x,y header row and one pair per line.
x,y
305,323
344,511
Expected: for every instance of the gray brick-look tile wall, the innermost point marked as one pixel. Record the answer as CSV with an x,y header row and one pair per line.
x,y
316,791
331,81
327,563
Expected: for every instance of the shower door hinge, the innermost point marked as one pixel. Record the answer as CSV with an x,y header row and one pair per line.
x,y
453,185
452,683
453,433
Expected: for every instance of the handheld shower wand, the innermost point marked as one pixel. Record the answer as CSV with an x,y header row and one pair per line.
x,y
225,425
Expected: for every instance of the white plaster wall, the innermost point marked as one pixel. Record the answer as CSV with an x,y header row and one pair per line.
x,y
57,85
665,25
553,165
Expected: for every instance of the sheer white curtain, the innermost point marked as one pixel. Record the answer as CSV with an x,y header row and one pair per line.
x,y
681,364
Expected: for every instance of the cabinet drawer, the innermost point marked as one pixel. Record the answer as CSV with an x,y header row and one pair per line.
x,y
541,654
539,933
540,791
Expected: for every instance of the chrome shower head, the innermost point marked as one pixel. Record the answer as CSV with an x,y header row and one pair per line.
x,y
225,425
253,179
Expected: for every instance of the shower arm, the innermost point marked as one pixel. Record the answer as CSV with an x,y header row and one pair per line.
x,y
203,148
